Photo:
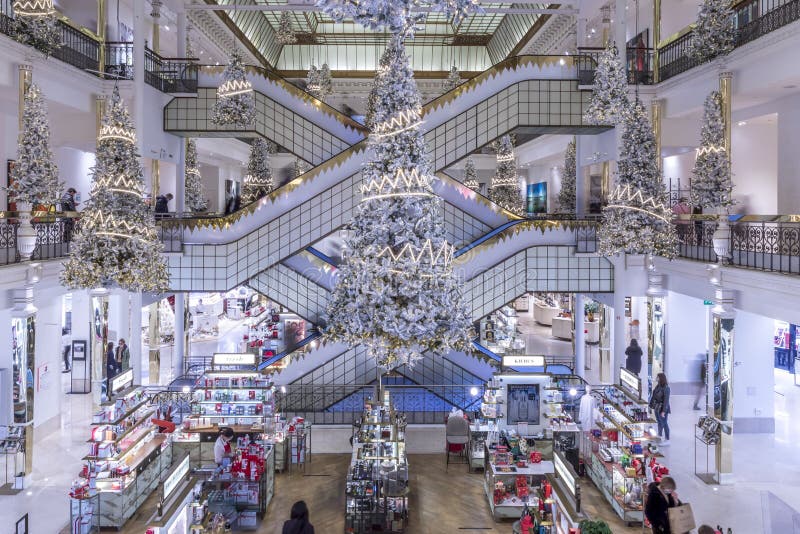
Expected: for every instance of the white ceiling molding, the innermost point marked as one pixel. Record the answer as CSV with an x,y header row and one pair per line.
x,y
219,39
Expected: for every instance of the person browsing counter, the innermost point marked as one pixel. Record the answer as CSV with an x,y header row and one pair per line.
x,y
222,447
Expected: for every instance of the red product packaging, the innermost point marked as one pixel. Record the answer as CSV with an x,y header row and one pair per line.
x,y
218,407
251,394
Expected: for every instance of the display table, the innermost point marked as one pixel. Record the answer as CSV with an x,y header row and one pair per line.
x,y
562,327
512,505
543,314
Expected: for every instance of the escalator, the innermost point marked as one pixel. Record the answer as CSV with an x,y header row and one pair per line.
x,y
534,94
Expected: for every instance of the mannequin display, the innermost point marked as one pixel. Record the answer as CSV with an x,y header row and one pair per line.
x,y
586,411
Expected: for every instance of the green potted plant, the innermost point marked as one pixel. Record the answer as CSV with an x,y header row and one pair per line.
x,y
595,527
590,307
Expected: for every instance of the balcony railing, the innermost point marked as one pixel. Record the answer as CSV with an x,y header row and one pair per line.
x,y
639,65
54,236
170,75
752,19
119,60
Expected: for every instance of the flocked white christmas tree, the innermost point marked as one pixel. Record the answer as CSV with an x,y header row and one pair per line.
x,y
504,190
453,79
637,219
711,175
319,82
116,244
471,175
567,195
193,185
398,17
35,24
713,34
35,175
235,105
397,294
258,181
285,33
610,91
299,167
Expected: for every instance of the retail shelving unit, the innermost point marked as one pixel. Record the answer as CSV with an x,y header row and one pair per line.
x,y
12,449
377,480
127,456
566,495
498,468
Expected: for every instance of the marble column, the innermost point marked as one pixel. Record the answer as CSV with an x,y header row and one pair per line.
x,y
99,341
725,89
135,342
656,106
722,326
155,344
25,80
23,347
183,33
580,335
180,348
656,29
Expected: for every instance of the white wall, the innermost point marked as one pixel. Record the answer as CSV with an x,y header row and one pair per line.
x,y
753,374
686,341
74,169
788,164
48,353
676,15
754,160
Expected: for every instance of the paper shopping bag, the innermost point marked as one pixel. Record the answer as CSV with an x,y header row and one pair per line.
x,y
681,519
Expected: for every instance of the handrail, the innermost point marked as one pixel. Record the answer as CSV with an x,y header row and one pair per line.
x,y
281,355
324,257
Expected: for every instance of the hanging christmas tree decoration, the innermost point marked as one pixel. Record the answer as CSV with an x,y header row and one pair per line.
x,y
610,92
313,82
325,80
398,17
504,190
711,176
300,167
471,175
35,24
116,244
193,185
714,33
567,195
285,33
637,219
397,294
34,180
258,181
453,79
235,103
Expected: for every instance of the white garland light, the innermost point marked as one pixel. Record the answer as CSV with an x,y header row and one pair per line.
x,y
231,88
626,197
711,176
34,8
504,190
110,131
235,104
471,175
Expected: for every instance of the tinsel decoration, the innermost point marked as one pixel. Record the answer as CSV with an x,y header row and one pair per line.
x,y
35,24
285,33
397,294
116,244
711,175
193,185
471,175
319,83
235,105
453,79
567,195
258,182
35,174
714,33
504,190
610,92
637,219
398,17
300,167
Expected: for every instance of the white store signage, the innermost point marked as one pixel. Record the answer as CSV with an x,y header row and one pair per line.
x,y
629,380
246,358
175,478
523,361
563,473
121,381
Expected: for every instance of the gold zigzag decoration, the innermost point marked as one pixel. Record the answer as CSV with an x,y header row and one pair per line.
x,y
34,8
442,254
647,205
707,150
110,225
388,186
404,120
231,88
108,131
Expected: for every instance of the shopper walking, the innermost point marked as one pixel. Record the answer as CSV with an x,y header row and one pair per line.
x,y
66,347
298,524
661,497
701,387
123,356
162,203
111,361
659,403
68,202
633,360
222,447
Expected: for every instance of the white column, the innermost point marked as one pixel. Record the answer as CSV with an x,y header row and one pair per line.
x,y
580,180
580,336
180,179
182,33
620,27
140,28
619,343
112,24
180,334
135,341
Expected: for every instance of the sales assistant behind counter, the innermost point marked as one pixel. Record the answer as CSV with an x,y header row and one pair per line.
x,y
222,447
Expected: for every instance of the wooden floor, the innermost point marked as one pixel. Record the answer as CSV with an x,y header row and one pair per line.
x,y
440,501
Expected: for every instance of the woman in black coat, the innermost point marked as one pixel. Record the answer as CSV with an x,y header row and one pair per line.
x,y
660,498
111,361
633,362
298,524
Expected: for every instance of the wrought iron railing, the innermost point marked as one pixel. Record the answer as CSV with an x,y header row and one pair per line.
x,y
752,19
119,60
54,236
767,245
639,65
170,75
342,404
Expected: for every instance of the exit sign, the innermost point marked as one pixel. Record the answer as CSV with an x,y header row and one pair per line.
x,y
708,302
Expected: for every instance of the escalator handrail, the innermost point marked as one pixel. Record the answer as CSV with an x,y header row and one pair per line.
x,y
316,334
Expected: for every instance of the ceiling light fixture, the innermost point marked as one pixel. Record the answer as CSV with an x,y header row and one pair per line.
x,y
741,123
166,28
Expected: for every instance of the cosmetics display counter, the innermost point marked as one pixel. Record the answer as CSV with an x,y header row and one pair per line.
x,y
377,479
566,495
178,504
507,481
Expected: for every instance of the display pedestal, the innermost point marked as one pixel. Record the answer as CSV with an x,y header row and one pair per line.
x,y
562,327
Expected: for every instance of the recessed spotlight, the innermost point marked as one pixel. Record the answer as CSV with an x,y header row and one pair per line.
x,y
561,62
166,28
741,123
593,30
217,63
